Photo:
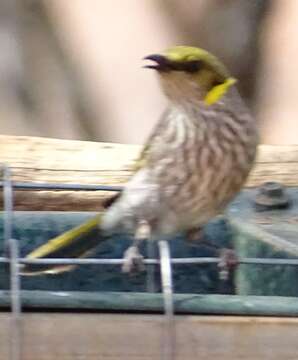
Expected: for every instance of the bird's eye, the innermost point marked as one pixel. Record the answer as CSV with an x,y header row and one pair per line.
x,y
192,66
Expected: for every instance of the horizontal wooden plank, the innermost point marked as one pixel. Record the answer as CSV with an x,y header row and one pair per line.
x,y
86,336
67,161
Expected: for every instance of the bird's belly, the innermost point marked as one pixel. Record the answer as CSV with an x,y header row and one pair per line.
x,y
191,214
197,198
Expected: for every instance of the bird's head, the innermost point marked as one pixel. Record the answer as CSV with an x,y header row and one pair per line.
x,y
191,74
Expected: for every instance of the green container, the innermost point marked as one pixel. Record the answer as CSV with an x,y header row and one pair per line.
x,y
34,228
251,290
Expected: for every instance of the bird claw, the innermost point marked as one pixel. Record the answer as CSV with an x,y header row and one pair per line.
x,y
133,260
228,262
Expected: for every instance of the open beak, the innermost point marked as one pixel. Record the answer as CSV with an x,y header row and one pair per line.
x,y
160,62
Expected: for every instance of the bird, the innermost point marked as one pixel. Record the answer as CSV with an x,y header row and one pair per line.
x,y
195,161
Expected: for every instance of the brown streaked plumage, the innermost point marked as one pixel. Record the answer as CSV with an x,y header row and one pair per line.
x,y
196,159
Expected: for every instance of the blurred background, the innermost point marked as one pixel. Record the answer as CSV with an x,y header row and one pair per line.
x,y
73,69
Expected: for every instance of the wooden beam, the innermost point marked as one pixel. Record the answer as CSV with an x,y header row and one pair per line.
x,y
58,336
67,161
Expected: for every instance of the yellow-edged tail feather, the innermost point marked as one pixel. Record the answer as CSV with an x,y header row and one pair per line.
x,y
74,243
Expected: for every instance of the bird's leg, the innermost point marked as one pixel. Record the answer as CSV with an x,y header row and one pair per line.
x,y
228,259
133,260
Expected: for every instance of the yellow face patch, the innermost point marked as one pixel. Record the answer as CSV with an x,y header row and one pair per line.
x,y
218,91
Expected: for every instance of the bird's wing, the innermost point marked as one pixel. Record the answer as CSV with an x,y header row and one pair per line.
x,y
78,241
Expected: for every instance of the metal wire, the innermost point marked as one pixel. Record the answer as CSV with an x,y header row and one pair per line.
x,y
165,261
15,286
174,261
167,290
12,248
8,195
56,186
7,203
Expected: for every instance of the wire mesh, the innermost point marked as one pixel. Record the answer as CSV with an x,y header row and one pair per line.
x,y
165,261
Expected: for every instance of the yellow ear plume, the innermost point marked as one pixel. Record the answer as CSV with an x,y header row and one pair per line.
x,y
218,91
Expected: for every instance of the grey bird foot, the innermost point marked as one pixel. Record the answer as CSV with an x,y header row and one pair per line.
x,y
227,264
133,260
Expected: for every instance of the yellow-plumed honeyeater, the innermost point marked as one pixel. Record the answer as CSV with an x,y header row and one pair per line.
x,y
194,162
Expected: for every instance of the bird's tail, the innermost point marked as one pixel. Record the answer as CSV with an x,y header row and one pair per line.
x,y
74,243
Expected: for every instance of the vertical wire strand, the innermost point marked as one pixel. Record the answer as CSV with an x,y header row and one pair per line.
x,y
13,253
7,203
167,290
15,338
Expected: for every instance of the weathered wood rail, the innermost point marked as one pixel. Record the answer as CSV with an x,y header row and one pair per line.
x,y
58,336
66,161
